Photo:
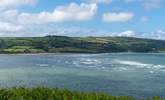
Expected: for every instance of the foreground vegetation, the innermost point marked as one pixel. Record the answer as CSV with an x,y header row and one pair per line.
x,y
42,93
54,44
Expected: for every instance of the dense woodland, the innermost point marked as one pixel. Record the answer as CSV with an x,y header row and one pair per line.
x,y
54,44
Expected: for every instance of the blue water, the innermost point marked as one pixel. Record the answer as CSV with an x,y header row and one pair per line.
x,y
134,74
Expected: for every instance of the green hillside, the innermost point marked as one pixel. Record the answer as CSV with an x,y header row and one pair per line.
x,y
54,44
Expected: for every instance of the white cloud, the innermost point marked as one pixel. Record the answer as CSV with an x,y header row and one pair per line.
x,y
99,1
5,4
159,34
128,33
9,16
117,17
147,4
9,27
150,4
71,12
144,19
129,1
15,23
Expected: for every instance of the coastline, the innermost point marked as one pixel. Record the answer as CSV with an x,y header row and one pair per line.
x,y
82,53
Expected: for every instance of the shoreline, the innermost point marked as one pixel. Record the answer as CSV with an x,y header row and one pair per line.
x,y
82,53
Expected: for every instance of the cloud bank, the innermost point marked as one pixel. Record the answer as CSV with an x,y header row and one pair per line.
x,y
118,17
14,22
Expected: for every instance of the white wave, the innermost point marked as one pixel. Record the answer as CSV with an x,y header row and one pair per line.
x,y
42,65
151,72
159,66
131,63
140,65
120,68
76,63
90,61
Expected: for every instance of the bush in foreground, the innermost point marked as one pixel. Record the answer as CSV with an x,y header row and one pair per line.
x,y
42,93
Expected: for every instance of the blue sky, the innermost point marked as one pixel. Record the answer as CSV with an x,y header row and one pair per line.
x,y
136,18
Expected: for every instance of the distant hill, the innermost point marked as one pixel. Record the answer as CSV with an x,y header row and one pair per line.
x,y
54,44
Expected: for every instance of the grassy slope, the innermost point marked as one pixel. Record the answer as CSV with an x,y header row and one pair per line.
x,y
42,93
53,44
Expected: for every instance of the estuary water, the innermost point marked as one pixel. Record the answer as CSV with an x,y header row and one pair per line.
x,y
133,74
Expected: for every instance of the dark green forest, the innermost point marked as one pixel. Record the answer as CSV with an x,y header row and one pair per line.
x,y
63,44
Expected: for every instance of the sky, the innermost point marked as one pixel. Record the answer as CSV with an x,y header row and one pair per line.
x,y
129,18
